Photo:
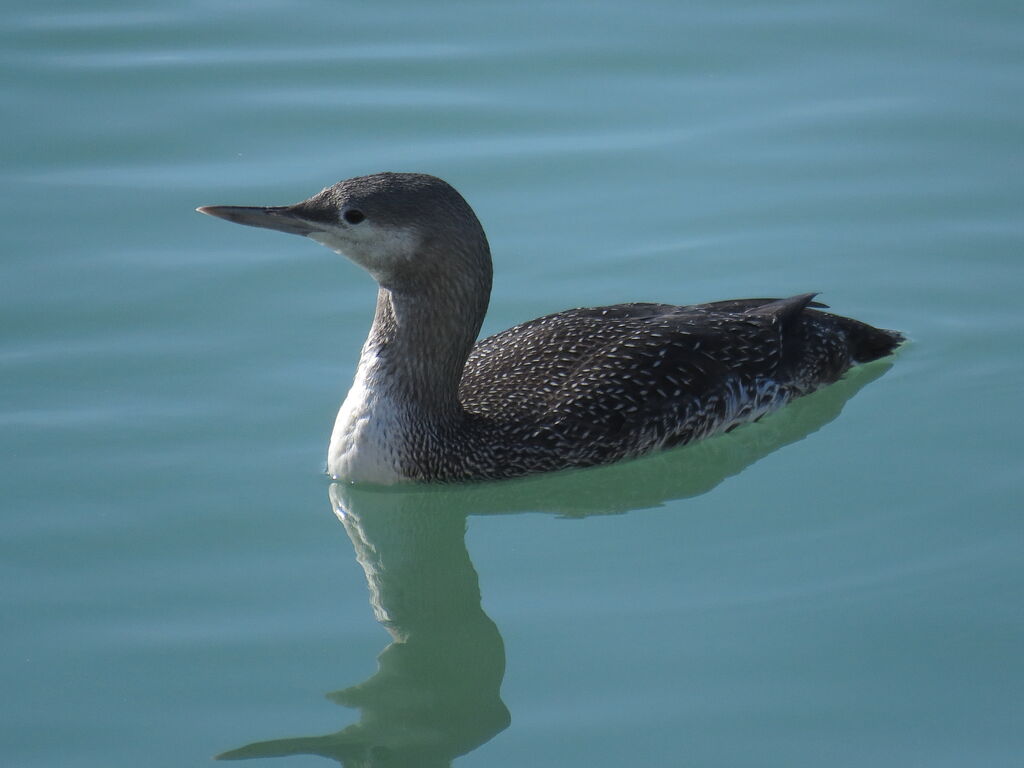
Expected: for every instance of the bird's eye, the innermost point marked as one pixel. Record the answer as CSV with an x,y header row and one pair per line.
x,y
353,216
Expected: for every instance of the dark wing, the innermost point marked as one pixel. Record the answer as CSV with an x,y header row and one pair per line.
x,y
587,364
595,385
521,370
745,305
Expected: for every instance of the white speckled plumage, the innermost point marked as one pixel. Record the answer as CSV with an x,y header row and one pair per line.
x,y
572,389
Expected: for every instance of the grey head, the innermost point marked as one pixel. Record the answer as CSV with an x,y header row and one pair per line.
x,y
412,232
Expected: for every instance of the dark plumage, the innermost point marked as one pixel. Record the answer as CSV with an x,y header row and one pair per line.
x,y
592,386
572,389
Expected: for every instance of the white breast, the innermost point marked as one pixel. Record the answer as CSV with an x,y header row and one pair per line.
x,y
363,444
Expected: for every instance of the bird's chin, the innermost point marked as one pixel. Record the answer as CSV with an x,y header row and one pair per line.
x,y
332,241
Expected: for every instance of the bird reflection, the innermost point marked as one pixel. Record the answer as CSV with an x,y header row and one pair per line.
x,y
436,693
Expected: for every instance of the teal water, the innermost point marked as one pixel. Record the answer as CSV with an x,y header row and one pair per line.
x,y
839,585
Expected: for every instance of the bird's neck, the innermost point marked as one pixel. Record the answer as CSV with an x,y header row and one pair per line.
x,y
404,402
418,345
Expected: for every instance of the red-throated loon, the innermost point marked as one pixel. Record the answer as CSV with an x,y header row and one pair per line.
x,y
573,389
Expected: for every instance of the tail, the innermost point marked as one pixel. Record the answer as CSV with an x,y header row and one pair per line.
x,y
865,342
868,343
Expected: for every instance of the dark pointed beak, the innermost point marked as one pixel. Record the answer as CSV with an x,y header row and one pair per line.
x,y
283,218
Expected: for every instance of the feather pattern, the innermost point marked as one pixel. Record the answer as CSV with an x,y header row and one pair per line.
x,y
592,386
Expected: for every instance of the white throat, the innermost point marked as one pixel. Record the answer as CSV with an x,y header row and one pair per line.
x,y
376,249
368,429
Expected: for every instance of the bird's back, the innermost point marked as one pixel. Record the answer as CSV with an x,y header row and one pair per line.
x,y
598,384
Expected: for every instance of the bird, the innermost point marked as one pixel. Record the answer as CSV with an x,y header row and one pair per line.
x,y
579,388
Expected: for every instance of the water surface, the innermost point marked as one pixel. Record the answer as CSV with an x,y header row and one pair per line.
x,y
839,585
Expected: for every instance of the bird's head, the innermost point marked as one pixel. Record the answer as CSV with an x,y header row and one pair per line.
x,y
400,227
